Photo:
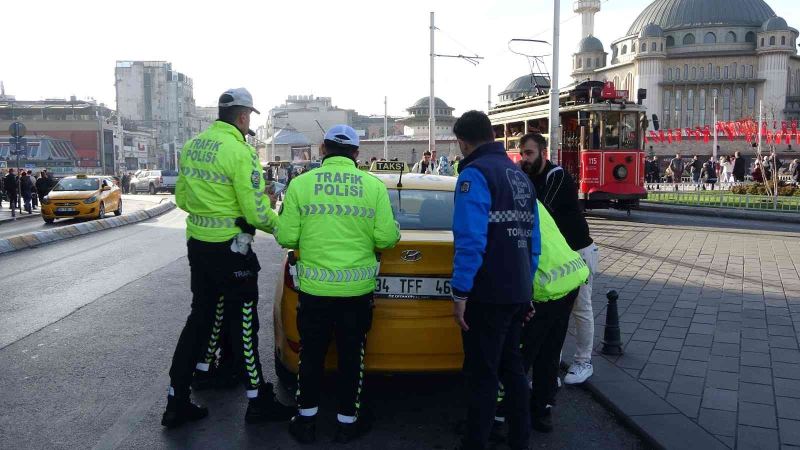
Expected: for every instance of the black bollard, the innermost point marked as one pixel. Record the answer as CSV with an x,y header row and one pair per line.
x,y
612,341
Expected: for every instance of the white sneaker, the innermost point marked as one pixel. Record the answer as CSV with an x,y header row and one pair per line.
x,y
578,373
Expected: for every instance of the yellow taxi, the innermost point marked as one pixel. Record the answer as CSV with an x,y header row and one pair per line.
x,y
82,197
413,328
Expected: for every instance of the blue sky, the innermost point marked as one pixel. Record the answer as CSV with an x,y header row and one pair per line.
x,y
356,51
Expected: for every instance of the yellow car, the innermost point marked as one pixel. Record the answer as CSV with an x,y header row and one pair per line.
x,y
82,197
413,328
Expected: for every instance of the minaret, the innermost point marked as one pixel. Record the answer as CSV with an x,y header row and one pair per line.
x,y
587,9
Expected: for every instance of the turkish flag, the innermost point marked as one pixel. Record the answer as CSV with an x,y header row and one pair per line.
x,y
706,134
661,137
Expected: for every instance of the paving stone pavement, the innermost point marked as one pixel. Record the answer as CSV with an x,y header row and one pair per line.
x,y
710,318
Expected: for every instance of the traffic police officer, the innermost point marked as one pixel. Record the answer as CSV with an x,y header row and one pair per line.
x,y
338,216
497,247
221,187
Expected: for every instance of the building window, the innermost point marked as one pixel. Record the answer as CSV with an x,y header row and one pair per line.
x,y
718,77
737,103
741,71
667,108
662,47
685,71
710,71
733,70
597,62
750,37
783,40
629,85
689,109
670,41
579,63
710,38
725,72
726,105
644,47
669,74
772,40
624,49
750,71
588,63
730,37
678,108
633,48
653,47
762,42
702,73
702,107
616,82
694,73
688,39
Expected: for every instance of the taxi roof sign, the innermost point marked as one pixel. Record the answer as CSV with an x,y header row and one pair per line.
x,y
389,166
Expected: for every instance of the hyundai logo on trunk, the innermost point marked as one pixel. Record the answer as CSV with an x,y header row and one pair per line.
x,y
411,255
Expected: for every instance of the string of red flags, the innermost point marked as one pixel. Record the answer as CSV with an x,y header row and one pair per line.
x,y
775,132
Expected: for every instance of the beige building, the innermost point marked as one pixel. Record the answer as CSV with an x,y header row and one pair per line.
x,y
687,53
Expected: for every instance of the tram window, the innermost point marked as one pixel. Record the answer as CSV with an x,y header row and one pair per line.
x,y
628,134
611,129
516,129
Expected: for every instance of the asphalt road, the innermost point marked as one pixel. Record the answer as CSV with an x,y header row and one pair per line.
x,y
87,330
130,203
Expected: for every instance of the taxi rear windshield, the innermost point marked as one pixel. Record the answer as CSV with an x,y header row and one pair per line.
x,y
78,184
422,210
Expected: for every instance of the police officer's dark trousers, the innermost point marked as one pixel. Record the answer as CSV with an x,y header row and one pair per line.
x,y
542,339
348,319
218,272
492,346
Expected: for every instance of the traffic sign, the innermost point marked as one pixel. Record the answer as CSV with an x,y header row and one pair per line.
x,y
19,146
17,129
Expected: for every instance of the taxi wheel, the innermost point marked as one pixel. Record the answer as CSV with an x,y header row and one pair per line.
x,y
118,211
101,214
48,220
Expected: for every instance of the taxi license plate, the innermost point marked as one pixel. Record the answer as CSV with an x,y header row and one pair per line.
x,y
413,287
65,210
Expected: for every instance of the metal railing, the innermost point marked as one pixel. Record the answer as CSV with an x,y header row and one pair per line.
x,y
725,199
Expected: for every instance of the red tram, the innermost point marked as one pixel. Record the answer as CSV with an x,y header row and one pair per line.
x,y
601,140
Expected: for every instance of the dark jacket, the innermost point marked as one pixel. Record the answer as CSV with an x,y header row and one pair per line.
x,y
796,173
10,184
557,191
739,167
42,186
26,186
695,166
709,172
495,230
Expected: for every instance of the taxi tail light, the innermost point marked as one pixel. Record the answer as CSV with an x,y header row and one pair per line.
x,y
295,346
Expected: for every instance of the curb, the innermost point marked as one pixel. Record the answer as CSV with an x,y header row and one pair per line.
x,y
38,238
727,213
656,421
20,217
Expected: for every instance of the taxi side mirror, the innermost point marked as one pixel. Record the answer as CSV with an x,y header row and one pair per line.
x,y
106,188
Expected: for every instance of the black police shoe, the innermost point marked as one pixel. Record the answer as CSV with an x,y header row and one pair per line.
x,y
180,411
221,378
303,429
266,408
497,433
542,420
348,432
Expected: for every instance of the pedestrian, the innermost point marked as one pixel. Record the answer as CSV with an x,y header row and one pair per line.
x,y
456,163
708,173
655,175
726,169
794,171
223,217
557,190
42,185
341,307
497,248
26,190
426,165
739,167
676,167
543,336
126,183
10,185
695,167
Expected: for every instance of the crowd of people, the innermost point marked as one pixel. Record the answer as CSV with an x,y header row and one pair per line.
x,y
27,186
706,172
525,217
